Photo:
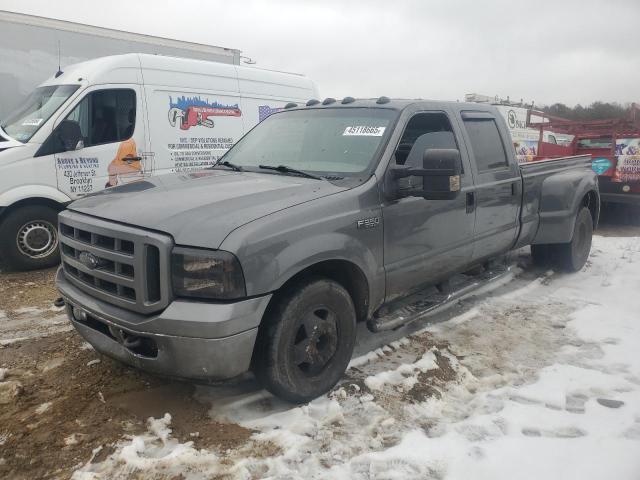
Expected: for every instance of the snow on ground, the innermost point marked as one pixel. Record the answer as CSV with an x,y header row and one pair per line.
x,y
29,322
539,380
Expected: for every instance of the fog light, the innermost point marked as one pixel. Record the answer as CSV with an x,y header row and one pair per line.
x,y
79,315
626,188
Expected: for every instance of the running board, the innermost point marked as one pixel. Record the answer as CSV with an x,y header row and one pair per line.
x,y
432,300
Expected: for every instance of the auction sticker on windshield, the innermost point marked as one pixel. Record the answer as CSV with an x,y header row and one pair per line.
x,y
364,131
32,122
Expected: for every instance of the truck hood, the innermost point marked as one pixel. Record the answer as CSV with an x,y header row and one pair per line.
x,y
201,208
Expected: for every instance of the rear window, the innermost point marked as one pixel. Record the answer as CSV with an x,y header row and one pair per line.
x,y
486,143
588,143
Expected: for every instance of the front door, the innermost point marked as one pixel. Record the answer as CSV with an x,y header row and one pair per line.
x,y
426,239
109,125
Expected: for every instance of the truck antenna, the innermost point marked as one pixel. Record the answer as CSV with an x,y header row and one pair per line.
x,y
59,72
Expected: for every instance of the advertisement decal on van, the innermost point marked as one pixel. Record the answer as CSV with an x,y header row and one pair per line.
x,y
194,111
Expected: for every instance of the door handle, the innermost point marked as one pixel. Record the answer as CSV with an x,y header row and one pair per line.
x,y
132,159
514,189
471,202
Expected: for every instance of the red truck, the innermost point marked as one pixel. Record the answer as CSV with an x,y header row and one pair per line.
x,y
614,145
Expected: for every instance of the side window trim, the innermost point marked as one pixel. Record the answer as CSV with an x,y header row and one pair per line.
x,y
478,116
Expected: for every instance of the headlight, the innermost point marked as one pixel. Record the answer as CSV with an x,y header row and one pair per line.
x,y
206,274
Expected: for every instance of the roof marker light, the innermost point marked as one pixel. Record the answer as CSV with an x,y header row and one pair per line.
x,y
291,105
346,100
328,101
382,100
312,102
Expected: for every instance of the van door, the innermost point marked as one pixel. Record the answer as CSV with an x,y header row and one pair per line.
x,y
101,141
424,240
498,185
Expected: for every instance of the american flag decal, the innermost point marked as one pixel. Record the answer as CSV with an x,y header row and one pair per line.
x,y
265,110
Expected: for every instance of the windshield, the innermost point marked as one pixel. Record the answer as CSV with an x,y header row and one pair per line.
x,y
328,142
36,110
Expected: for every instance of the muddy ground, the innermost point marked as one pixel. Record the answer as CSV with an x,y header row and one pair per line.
x,y
62,401
23,291
62,405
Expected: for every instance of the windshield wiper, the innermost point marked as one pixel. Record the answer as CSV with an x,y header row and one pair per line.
x,y
285,169
232,166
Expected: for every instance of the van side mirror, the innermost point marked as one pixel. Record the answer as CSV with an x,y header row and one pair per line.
x,y
439,177
70,135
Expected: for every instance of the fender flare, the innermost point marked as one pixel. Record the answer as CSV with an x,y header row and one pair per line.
x,y
561,197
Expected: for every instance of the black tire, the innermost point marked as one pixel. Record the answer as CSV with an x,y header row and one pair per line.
x,y
572,256
29,238
306,342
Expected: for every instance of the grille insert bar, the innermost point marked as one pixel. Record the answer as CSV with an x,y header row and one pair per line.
x,y
124,266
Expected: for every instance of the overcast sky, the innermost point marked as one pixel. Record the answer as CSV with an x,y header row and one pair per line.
x,y
570,51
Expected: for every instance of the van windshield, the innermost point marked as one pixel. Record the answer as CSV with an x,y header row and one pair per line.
x,y
327,142
23,123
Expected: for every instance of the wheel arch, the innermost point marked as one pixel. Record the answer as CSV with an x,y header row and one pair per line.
x,y
344,272
591,200
32,201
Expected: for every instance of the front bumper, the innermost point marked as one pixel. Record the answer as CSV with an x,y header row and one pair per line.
x,y
194,340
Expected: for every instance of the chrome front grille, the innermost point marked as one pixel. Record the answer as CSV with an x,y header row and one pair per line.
x,y
125,266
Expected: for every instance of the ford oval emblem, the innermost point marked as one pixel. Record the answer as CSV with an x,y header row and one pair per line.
x,y
89,260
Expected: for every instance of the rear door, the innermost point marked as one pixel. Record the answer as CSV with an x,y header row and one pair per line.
x,y
498,184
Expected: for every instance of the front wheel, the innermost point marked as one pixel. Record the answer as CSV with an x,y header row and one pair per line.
x,y
306,343
29,238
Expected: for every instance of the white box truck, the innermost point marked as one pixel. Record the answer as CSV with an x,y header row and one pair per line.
x,y
32,48
119,119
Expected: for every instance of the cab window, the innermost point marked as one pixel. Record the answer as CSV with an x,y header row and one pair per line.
x,y
486,144
424,130
101,117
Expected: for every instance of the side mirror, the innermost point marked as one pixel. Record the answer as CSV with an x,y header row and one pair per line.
x,y
70,135
439,177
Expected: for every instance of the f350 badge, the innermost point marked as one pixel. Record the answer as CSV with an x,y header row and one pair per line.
x,y
372,222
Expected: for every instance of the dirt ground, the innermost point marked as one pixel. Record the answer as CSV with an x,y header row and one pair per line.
x,y
27,290
61,401
62,405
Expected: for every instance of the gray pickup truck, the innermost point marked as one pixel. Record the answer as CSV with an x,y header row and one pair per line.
x,y
322,216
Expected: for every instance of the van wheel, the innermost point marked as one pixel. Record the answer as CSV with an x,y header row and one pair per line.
x,y
29,238
571,256
305,345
